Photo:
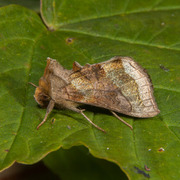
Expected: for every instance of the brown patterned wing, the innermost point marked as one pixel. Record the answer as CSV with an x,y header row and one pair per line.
x,y
118,84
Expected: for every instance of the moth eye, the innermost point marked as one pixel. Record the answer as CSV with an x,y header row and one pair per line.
x,y
43,99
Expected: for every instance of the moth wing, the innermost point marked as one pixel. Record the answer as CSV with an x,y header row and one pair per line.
x,y
118,84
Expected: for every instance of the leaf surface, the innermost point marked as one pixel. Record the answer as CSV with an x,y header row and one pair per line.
x,y
147,31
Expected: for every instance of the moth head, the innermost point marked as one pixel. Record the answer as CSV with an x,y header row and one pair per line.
x,y
41,97
42,93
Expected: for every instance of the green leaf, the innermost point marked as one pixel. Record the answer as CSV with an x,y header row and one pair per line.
x,y
67,165
147,31
32,4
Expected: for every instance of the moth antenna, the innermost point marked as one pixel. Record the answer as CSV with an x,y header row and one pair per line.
x,y
96,126
33,84
49,109
121,120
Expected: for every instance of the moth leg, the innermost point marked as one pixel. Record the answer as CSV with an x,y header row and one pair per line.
x,y
121,119
49,109
73,108
96,126
81,112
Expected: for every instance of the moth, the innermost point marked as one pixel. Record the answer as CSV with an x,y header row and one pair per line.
x,y
119,85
